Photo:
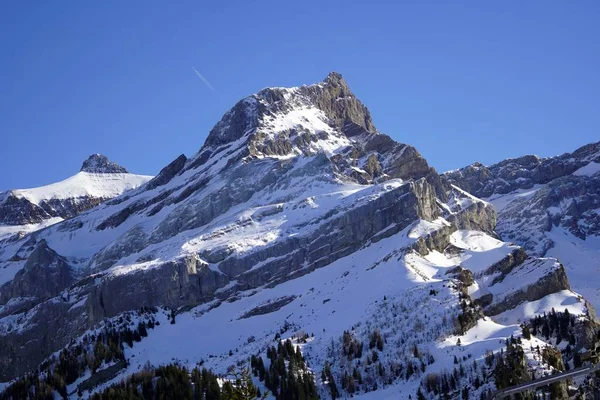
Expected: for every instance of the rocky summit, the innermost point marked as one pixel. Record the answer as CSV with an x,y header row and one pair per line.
x,y
99,164
302,242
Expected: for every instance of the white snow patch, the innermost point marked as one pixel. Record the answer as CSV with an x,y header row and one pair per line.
x,y
84,184
588,170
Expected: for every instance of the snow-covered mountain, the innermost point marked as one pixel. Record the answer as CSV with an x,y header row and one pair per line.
x,y
550,206
27,210
297,219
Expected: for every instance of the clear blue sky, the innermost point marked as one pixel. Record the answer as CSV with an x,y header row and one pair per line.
x,y
461,81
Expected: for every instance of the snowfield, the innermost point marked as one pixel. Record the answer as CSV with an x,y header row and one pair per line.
x,y
581,257
84,184
588,170
371,288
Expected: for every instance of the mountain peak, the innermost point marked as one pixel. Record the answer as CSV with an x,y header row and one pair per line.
x,y
99,164
277,107
335,78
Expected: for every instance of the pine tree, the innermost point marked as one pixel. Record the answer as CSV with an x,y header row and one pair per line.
x,y
244,389
142,329
526,332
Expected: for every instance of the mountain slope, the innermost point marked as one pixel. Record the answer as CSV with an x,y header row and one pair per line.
x,y
296,215
549,206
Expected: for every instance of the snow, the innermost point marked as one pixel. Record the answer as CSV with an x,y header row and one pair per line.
x,y
522,276
9,270
477,339
84,184
480,251
500,201
460,200
490,336
467,195
347,295
581,259
72,388
310,118
423,227
305,118
565,299
588,170
349,283
7,231
356,292
238,232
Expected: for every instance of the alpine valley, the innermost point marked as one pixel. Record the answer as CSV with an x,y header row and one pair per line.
x,y
302,254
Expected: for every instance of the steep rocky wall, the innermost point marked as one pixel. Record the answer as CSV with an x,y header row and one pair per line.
x,y
394,210
551,283
507,264
478,216
35,335
44,275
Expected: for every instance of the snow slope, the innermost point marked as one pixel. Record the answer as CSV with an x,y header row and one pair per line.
x,y
84,184
550,206
580,256
581,259
378,287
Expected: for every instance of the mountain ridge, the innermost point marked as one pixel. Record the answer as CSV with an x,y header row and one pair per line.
x,y
294,211
547,205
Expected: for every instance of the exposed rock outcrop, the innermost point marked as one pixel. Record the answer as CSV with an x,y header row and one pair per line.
x,y
99,164
564,192
44,275
168,172
520,173
552,283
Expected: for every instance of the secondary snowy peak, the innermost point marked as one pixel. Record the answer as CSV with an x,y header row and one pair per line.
x,y
31,209
99,164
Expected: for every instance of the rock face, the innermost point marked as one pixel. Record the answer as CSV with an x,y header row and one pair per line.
x,y
99,164
168,172
20,211
289,182
534,194
332,97
569,202
278,152
554,281
550,206
44,275
521,173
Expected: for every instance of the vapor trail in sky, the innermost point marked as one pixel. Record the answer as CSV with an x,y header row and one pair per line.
x,y
206,82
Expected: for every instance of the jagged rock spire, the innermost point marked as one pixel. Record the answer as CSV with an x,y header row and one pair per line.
x,y
99,164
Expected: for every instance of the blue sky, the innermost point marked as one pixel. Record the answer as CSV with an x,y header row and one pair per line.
x,y
461,81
